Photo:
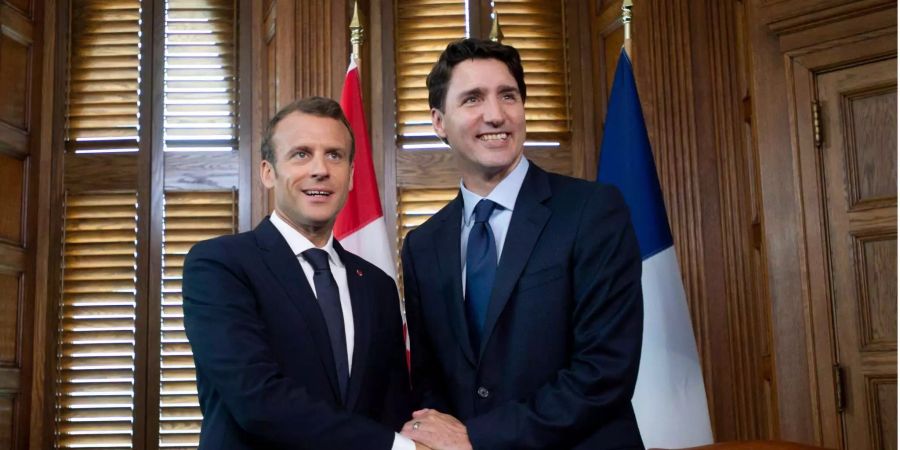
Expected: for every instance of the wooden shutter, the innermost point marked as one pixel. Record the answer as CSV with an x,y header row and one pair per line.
x,y
96,358
423,30
536,29
102,112
200,82
190,217
418,205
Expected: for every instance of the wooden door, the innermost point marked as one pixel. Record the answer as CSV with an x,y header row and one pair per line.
x,y
858,114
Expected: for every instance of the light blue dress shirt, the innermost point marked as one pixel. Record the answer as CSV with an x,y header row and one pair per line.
x,y
504,195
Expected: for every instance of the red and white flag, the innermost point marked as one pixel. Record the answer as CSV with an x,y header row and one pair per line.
x,y
360,225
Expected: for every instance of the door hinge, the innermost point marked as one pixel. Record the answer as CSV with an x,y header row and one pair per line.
x,y
839,397
817,124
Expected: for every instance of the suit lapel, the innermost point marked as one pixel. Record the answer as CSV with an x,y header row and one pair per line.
x,y
362,303
528,220
450,262
284,265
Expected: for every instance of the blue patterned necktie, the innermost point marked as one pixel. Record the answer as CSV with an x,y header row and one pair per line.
x,y
330,304
481,265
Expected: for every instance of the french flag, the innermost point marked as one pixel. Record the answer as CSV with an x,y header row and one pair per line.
x,y
669,400
360,225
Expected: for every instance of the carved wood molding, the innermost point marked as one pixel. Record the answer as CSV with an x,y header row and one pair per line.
x,y
814,15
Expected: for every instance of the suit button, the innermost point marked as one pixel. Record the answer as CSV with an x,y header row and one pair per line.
x,y
483,392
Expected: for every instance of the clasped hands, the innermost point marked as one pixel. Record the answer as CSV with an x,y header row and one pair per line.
x,y
431,429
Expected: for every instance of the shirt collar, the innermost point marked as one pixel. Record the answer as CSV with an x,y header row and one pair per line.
x,y
504,194
299,243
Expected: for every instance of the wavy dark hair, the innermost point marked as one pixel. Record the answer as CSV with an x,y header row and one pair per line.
x,y
466,49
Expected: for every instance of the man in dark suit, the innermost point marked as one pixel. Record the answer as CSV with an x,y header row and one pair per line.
x,y
298,343
523,294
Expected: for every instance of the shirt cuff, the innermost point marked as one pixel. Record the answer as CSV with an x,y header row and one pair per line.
x,y
403,443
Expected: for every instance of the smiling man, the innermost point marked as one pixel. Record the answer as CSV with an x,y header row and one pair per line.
x,y
297,342
523,294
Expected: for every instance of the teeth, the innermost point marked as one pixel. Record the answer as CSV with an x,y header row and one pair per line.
x,y
494,136
318,193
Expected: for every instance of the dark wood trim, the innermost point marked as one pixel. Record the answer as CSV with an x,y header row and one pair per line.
x,y
744,330
584,144
261,34
285,58
605,24
382,79
340,48
34,274
148,202
157,188
43,430
248,103
480,20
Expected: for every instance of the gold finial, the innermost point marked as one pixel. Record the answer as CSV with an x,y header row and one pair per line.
x,y
626,17
356,31
496,33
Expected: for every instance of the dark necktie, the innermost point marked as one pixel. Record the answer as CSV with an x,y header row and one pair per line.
x,y
330,304
481,265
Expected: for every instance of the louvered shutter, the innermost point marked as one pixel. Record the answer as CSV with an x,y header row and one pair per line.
x,y
102,113
190,217
423,30
200,82
96,357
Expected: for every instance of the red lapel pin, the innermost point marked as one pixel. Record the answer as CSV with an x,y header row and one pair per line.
x,y
358,272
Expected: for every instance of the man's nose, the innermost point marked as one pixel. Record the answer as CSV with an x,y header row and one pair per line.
x,y
318,167
493,112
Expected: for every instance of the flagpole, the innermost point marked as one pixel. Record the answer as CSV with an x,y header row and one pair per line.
x,y
356,34
626,23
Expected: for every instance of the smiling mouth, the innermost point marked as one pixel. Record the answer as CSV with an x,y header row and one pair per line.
x,y
494,137
315,193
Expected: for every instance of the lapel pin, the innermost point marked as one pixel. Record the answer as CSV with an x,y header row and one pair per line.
x,y
358,272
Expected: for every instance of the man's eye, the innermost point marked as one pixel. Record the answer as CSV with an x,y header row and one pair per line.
x,y
299,154
335,156
468,100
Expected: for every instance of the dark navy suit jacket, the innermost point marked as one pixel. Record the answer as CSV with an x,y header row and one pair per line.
x,y
265,370
559,362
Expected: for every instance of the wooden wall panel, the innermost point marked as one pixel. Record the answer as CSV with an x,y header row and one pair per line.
x,y
21,166
7,415
688,67
322,45
24,6
14,77
12,178
10,300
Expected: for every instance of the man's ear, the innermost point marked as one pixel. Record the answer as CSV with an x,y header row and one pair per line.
x,y
267,174
437,121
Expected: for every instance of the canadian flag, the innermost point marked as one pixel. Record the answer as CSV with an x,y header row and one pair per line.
x,y
360,225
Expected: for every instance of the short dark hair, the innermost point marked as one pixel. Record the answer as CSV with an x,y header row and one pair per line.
x,y
466,49
315,106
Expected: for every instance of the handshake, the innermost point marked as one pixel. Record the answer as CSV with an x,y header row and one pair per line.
x,y
431,429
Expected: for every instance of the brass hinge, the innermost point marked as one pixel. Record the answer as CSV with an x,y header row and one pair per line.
x,y
817,124
839,397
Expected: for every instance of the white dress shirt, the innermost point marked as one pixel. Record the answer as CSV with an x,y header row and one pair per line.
x,y
504,195
299,244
